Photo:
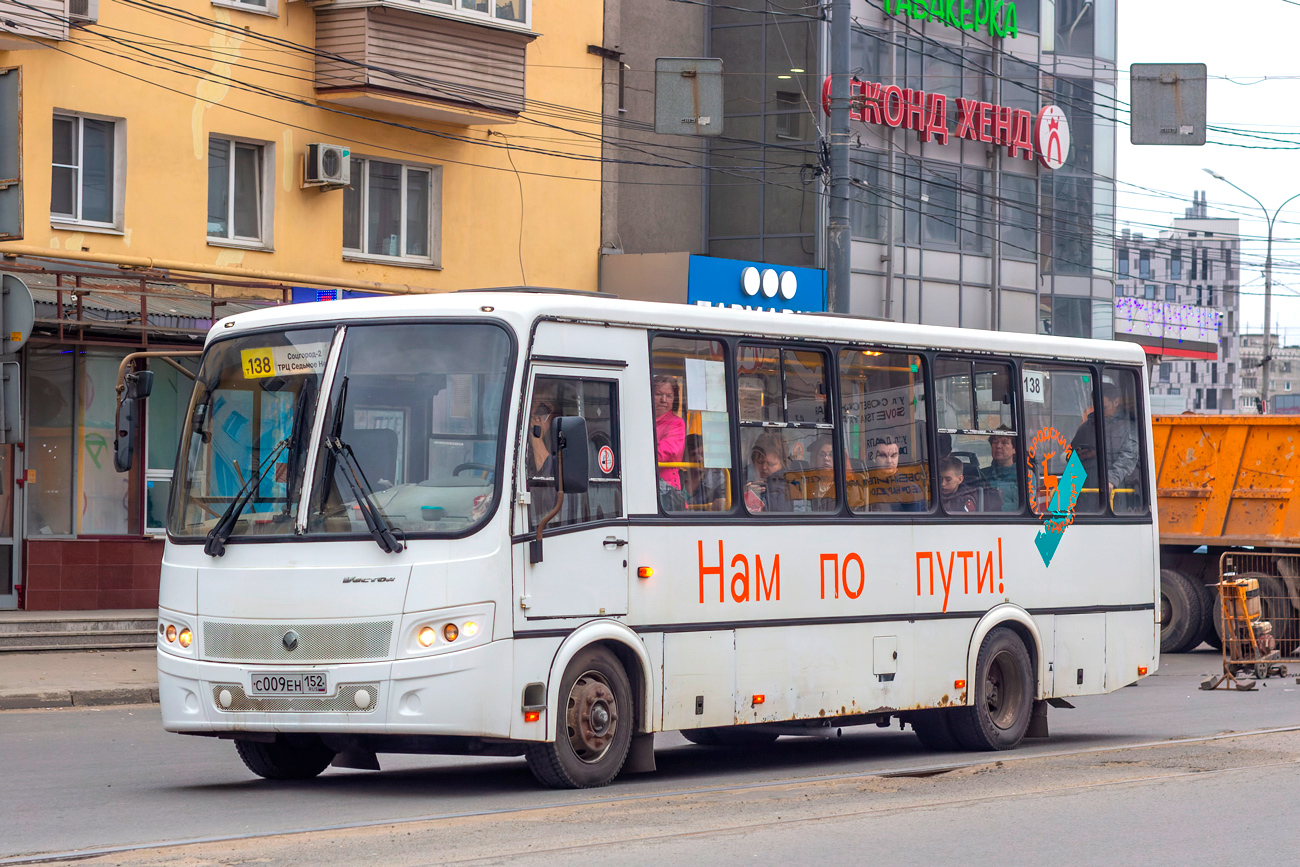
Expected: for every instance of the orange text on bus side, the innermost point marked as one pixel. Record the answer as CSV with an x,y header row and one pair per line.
x,y
839,575
764,588
983,572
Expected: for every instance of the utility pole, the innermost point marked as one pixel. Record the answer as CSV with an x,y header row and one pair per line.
x,y
839,246
1267,361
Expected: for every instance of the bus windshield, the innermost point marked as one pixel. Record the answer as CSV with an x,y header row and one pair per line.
x,y
410,430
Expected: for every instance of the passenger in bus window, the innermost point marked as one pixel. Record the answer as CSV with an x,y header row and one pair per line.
x,y
767,491
670,430
705,487
957,495
1000,475
1084,445
1121,439
540,462
889,491
821,475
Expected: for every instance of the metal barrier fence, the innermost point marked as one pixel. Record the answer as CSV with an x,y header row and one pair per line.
x,y
1258,617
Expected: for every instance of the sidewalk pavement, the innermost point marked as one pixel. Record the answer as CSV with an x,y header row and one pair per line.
x,y
80,678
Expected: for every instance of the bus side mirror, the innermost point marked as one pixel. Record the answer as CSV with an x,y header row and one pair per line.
x,y
139,385
570,437
124,435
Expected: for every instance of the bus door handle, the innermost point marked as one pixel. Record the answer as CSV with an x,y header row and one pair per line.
x,y
616,543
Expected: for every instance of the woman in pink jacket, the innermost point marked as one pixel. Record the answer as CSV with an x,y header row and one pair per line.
x,y
670,430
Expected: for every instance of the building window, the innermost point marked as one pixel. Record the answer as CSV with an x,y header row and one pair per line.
x,y
1150,292
1211,398
1200,299
391,211
1214,372
1171,292
1227,261
1176,265
239,197
1144,264
1209,295
85,183
1123,262
1164,371
264,7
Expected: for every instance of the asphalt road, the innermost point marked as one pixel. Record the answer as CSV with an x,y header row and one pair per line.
x,y
84,779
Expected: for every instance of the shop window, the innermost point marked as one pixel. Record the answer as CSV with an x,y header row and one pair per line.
x,y
240,197
85,186
692,425
392,212
165,414
1125,473
101,490
978,465
50,451
882,407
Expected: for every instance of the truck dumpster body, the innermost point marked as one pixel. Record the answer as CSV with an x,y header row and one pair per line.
x,y
1222,482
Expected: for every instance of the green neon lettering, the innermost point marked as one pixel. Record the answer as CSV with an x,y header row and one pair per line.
x,y
902,7
967,15
995,11
981,13
1010,30
950,14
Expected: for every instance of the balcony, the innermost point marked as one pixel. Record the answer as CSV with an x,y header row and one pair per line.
x,y
21,26
419,64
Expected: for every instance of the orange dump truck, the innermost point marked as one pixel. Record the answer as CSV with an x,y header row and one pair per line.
x,y
1224,482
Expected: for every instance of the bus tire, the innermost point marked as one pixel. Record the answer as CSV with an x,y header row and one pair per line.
x,y
594,734
291,757
1003,696
729,736
1180,612
933,728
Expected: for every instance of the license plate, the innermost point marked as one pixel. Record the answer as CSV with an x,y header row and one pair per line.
x,y
289,683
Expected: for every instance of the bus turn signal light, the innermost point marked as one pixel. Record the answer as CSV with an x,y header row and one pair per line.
x,y
644,571
171,633
185,637
959,684
532,715
1142,671
759,699
450,632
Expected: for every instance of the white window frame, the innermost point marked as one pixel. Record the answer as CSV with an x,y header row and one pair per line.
x,y
272,7
452,9
266,196
361,182
64,221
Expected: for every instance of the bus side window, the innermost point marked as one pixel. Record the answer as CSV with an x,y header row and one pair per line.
x,y
882,398
978,441
595,400
692,425
1125,468
1060,424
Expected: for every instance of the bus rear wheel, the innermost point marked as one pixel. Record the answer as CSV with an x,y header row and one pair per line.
x,y
1003,700
594,731
291,757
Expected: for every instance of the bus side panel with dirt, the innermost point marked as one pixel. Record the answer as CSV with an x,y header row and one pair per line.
x,y
541,524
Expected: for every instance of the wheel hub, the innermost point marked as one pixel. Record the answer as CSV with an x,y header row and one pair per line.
x,y
592,716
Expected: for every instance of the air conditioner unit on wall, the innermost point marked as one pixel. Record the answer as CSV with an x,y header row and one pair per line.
x,y
326,166
83,11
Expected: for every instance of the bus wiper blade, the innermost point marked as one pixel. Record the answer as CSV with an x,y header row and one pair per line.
x,y
383,532
215,546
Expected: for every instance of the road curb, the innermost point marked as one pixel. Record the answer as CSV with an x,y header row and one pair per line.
x,y
45,698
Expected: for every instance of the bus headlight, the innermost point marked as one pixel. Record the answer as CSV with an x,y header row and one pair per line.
x,y
447,630
470,628
427,636
185,637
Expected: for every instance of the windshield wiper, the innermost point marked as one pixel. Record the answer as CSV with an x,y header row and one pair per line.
x,y
215,546
385,535
339,452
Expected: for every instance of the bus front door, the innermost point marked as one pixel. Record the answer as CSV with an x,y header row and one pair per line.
x,y
583,568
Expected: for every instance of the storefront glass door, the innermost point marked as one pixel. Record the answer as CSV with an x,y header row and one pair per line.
x,y
9,567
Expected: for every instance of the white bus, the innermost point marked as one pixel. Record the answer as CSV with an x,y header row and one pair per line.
x,y
521,522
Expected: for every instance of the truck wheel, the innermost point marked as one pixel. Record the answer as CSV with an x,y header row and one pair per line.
x,y
729,736
291,757
1276,608
1180,612
1209,602
1003,696
595,732
933,729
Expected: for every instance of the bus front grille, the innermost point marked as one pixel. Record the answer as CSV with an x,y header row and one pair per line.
x,y
343,701
311,642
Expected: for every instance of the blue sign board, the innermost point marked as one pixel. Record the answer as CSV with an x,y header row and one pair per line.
x,y
755,285
304,294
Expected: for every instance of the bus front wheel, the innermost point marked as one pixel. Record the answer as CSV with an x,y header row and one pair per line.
x,y
291,757
594,729
1003,700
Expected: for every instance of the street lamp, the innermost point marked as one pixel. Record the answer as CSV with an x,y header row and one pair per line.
x,y
1268,282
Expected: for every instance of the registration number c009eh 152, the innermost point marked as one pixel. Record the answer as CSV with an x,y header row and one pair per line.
x,y
289,683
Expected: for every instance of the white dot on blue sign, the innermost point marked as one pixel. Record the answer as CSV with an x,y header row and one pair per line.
x,y
770,283
749,280
789,284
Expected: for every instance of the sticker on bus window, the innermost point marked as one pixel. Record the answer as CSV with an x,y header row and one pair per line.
x,y
1033,384
606,460
298,360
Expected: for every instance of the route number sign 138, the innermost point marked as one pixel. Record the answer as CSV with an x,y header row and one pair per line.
x,y
1032,381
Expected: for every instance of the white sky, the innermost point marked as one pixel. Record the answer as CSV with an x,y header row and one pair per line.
x,y
1243,43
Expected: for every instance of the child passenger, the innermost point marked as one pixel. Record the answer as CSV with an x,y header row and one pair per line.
x,y
956,494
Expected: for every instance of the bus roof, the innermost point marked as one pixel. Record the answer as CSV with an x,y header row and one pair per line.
x,y
521,306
